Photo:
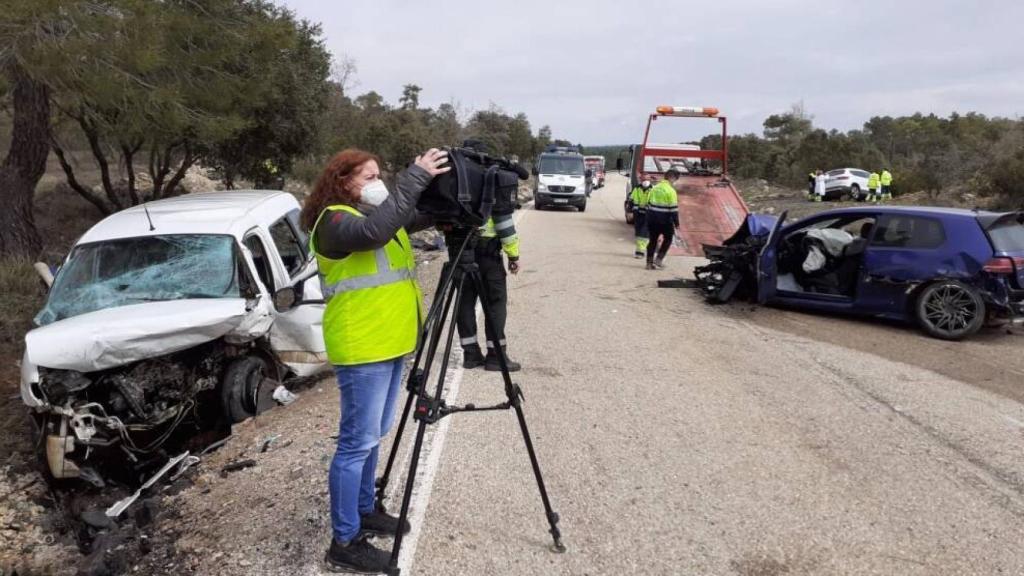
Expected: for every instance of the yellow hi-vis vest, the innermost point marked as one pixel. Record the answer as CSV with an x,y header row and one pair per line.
x,y
873,181
663,198
886,178
374,304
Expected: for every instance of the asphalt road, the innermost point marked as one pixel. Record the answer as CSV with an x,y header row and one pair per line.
x,y
680,438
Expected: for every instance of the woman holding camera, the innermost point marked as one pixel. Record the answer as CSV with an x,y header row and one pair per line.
x,y
371,322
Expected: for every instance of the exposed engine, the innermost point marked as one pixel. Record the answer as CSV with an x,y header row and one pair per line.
x,y
136,407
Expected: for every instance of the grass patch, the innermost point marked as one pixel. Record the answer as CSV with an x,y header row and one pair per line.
x,y
21,297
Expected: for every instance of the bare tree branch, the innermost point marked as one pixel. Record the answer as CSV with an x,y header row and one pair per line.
x,y
83,191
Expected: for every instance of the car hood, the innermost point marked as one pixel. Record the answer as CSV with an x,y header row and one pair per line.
x,y
125,334
754,225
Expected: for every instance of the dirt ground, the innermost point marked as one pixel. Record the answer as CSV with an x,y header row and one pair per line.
x,y
761,196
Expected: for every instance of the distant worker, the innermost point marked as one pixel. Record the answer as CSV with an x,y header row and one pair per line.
x,y
811,179
886,181
639,198
662,218
819,186
874,194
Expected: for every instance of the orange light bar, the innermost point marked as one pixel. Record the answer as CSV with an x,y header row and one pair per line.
x,y
687,111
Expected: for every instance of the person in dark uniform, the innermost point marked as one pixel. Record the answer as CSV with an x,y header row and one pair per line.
x,y
496,237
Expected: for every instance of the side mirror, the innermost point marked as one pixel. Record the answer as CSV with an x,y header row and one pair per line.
x,y
619,164
534,171
285,299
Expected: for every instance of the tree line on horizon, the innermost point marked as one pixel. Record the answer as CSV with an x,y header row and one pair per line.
x,y
127,95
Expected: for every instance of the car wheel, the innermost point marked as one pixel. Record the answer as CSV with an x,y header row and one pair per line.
x,y
537,206
855,192
950,310
240,388
582,207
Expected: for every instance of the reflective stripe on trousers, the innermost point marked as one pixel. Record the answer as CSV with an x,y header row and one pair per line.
x,y
665,209
384,275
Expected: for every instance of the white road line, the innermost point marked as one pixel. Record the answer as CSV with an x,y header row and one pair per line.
x,y
430,455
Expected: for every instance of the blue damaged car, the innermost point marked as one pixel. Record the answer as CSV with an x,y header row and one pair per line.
x,y
948,270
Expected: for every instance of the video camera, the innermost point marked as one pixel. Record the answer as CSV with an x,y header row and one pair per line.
x,y
478,186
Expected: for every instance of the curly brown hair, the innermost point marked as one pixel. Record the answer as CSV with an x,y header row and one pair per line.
x,y
331,186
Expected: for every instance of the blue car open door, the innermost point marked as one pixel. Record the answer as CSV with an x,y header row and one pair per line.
x,y
768,265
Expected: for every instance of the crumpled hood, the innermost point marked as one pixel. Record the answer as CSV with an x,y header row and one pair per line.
x,y
125,334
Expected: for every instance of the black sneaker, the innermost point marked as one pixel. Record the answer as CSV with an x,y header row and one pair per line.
x,y
381,524
357,556
472,358
493,364
650,266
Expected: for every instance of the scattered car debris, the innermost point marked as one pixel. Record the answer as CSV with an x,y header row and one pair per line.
x,y
269,442
187,463
236,466
123,504
283,395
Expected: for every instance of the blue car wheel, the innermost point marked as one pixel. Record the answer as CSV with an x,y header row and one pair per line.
x,y
950,310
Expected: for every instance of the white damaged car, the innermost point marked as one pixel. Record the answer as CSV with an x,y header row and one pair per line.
x,y
166,317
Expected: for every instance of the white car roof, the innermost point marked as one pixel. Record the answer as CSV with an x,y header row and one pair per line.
x,y
229,212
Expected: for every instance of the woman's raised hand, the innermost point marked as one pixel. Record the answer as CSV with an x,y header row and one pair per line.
x,y
431,161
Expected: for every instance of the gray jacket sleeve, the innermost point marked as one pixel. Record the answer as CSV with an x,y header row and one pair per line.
x,y
419,222
339,234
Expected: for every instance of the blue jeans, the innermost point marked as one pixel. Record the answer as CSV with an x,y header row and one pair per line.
x,y
368,394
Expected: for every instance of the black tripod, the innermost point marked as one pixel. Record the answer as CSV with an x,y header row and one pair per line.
x,y
430,409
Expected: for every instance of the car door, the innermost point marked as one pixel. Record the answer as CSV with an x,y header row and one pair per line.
x,y
767,263
297,334
903,252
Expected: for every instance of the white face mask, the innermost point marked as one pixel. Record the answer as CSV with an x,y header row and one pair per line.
x,y
646,183
374,193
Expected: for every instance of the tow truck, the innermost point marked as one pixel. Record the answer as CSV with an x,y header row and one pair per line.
x,y
710,207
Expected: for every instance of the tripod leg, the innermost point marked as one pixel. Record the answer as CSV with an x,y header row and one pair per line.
x,y
425,415
431,338
515,398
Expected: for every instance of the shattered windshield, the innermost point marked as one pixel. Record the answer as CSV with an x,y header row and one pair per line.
x,y
569,165
127,271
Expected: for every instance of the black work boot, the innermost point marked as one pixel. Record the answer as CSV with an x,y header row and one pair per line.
x,y
357,556
493,364
381,524
472,357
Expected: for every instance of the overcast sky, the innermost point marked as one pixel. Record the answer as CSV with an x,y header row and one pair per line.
x,y
593,69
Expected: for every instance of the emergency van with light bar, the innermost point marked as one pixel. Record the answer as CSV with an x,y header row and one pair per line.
x,y
710,208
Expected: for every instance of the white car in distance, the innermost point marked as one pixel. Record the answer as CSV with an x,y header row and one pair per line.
x,y
846,182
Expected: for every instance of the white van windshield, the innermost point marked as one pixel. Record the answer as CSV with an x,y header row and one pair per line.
x,y
572,166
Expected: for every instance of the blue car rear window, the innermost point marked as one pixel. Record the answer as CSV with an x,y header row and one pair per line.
x,y
909,232
1008,237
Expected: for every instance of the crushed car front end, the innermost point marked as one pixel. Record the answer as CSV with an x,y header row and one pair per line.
x,y
135,344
